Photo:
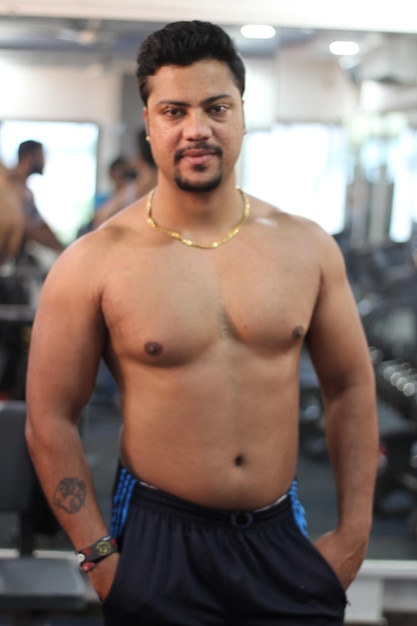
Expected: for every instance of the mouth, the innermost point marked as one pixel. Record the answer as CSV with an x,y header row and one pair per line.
x,y
197,155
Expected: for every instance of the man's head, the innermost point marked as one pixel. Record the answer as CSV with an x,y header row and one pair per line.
x,y
182,44
30,154
192,79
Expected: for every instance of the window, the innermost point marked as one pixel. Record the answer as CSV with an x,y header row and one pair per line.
x,y
64,195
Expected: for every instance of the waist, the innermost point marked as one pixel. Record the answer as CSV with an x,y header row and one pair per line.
x,y
148,496
216,477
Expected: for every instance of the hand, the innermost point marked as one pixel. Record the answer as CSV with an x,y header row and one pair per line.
x,y
102,576
344,553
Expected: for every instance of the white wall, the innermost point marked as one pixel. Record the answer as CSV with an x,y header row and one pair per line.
x,y
318,92
73,94
285,90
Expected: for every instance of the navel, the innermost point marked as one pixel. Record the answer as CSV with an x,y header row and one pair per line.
x,y
153,348
239,460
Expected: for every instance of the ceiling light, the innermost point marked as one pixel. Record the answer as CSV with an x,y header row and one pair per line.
x,y
258,31
344,48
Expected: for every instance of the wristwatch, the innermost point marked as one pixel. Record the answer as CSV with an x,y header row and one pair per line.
x,y
90,556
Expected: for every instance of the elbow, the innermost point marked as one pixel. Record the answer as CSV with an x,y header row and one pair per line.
x,y
30,434
29,437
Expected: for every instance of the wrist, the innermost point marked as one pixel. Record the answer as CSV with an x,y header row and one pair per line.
x,y
91,555
354,534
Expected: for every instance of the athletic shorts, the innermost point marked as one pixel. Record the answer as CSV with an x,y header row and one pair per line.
x,y
182,564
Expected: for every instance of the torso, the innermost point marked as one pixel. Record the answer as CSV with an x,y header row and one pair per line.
x,y
205,345
12,220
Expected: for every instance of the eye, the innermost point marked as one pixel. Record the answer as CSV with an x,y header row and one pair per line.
x,y
219,109
172,111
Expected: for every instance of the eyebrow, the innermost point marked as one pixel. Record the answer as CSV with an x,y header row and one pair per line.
x,y
203,102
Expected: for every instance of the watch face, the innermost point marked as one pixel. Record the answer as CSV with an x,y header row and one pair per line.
x,y
103,547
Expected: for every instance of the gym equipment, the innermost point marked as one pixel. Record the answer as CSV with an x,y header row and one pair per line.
x,y
30,586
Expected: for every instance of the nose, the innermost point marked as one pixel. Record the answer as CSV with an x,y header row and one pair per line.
x,y
196,125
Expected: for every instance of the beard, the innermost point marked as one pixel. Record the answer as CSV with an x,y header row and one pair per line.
x,y
37,168
198,186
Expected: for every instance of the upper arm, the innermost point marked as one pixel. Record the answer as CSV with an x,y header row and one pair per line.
x,y
336,339
67,338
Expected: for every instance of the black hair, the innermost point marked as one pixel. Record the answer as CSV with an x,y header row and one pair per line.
x,y
184,43
28,147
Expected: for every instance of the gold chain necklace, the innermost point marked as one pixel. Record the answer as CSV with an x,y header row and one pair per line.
x,y
189,242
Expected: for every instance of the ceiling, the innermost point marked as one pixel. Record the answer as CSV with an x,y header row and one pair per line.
x,y
39,40
367,15
112,44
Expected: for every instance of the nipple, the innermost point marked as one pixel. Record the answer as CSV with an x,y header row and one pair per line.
x,y
298,332
153,348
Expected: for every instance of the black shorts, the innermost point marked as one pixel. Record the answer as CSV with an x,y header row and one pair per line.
x,y
182,564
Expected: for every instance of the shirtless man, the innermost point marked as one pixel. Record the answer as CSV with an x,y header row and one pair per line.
x,y
201,299
31,160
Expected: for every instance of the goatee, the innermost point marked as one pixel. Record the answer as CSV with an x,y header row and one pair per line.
x,y
198,187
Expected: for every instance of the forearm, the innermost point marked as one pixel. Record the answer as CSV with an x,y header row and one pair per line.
x,y
352,436
62,467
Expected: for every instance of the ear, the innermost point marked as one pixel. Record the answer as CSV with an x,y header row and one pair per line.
x,y
146,120
244,121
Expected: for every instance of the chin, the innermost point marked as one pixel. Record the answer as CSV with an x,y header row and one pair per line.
x,y
198,186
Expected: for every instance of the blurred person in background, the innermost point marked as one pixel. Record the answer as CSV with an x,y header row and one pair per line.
x,y
31,160
120,172
143,165
22,270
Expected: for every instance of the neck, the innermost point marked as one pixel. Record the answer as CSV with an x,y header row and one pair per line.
x,y
18,174
200,239
193,210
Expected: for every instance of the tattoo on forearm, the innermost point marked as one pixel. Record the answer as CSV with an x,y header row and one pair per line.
x,y
70,495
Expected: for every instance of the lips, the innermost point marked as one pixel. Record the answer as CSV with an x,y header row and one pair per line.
x,y
198,154
198,157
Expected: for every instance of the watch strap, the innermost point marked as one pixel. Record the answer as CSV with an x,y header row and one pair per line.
x,y
91,555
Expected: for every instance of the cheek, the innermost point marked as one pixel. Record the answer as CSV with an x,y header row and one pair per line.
x,y
162,147
232,144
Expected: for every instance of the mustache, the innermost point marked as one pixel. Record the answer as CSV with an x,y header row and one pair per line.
x,y
198,146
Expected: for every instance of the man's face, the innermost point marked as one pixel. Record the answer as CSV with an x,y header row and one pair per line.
x,y
194,118
38,162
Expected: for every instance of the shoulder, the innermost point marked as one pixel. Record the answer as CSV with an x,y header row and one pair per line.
x,y
302,232
105,248
288,222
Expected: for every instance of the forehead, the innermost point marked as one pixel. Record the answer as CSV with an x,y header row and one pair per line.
x,y
198,81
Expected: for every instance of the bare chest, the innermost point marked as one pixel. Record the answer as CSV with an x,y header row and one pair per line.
x,y
170,311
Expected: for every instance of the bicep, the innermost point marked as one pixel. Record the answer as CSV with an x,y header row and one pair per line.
x,y
66,346
336,339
